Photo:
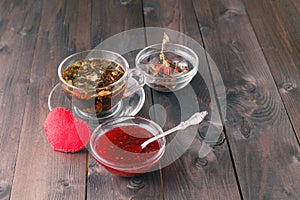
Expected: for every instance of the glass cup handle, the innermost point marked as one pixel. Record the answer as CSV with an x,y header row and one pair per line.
x,y
134,83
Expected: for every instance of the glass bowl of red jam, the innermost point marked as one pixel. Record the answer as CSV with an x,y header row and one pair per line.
x,y
170,72
115,144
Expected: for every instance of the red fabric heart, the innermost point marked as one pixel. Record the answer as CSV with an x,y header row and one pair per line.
x,y
64,132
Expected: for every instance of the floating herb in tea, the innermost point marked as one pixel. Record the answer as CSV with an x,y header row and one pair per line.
x,y
93,78
92,74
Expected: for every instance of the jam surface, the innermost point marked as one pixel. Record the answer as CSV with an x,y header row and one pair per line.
x,y
121,145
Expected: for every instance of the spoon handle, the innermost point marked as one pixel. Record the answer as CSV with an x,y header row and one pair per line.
x,y
193,120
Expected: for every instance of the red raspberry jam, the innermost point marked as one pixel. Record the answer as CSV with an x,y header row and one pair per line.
x,y
121,148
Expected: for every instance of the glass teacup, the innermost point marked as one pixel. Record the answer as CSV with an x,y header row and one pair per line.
x,y
95,81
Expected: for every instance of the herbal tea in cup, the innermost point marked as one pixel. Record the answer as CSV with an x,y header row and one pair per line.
x,y
95,81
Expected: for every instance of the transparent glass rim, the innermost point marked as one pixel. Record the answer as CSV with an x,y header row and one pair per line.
x,y
182,78
99,131
90,51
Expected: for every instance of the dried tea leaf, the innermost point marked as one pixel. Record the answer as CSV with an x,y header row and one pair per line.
x,y
92,74
162,54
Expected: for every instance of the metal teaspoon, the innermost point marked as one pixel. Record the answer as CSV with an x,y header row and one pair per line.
x,y
193,120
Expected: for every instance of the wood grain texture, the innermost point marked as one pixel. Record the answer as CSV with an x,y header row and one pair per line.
x,y
113,17
276,24
190,176
110,18
49,174
16,53
255,45
296,4
262,140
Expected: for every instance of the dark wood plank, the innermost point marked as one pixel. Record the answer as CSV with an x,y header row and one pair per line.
x,y
110,18
276,24
191,176
16,52
262,140
42,173
297,5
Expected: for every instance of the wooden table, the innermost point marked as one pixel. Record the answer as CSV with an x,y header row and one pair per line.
x,y
255,45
